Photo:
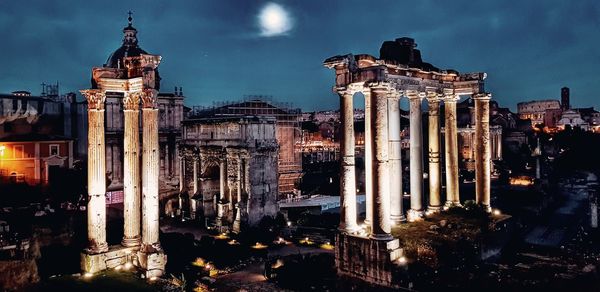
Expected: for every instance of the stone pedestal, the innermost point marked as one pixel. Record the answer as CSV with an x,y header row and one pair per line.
x,y
221,220
113,257
451,143
152,263
370,260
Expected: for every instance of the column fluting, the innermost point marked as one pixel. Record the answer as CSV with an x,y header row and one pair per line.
x,y
96,209
451,149
131,175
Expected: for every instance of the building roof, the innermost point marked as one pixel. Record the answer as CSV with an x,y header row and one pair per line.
x,y
255,107
221,119
32,137
25,97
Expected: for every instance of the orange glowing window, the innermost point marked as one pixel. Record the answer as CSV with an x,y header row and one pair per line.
x,y
18,151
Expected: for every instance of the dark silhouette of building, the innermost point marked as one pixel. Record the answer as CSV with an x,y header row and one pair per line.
x,y
565,99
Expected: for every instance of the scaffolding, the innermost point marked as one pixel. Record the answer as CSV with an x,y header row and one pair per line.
x,y
288,130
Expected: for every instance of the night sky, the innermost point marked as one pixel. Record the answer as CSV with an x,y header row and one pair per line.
x,y
218,50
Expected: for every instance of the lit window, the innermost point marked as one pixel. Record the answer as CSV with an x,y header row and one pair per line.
x,y
54,149
18,151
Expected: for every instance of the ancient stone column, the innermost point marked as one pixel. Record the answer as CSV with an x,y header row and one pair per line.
x,y
96,208
131,174
193,203
181,180
499,149
368,161
451,149
150,172
348,172
482,147
435,171
416,155
221,196
395,158
238,213
381,227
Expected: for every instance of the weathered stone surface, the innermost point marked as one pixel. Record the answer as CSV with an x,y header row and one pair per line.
x,y
451,143
115,256
367,259
153,264
237,158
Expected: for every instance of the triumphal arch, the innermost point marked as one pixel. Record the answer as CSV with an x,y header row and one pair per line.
x,y
136,84
229,170
367,251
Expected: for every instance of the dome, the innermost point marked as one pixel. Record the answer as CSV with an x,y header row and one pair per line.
x,y
115,60
129,48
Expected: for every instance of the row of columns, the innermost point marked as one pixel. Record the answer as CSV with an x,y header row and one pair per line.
x,y
240,182
150,161
383,157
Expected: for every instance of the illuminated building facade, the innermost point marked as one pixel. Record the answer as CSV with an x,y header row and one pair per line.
x,y
536,110
37,135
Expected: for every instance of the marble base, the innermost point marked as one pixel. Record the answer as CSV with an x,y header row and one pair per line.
x,y
414,215
115,256
367,259
153,263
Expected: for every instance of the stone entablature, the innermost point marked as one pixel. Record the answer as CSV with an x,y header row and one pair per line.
x,y
356,71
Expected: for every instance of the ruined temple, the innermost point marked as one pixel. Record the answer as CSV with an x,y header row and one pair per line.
x,y
369,251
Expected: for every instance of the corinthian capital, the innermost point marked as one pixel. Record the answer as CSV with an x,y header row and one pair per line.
x,y
433,96
482,96
412,94
95,98
380,86
450,96
394,94
131,100
149,98
345,90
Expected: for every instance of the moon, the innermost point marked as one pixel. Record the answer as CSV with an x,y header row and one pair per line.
x,y
274,20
